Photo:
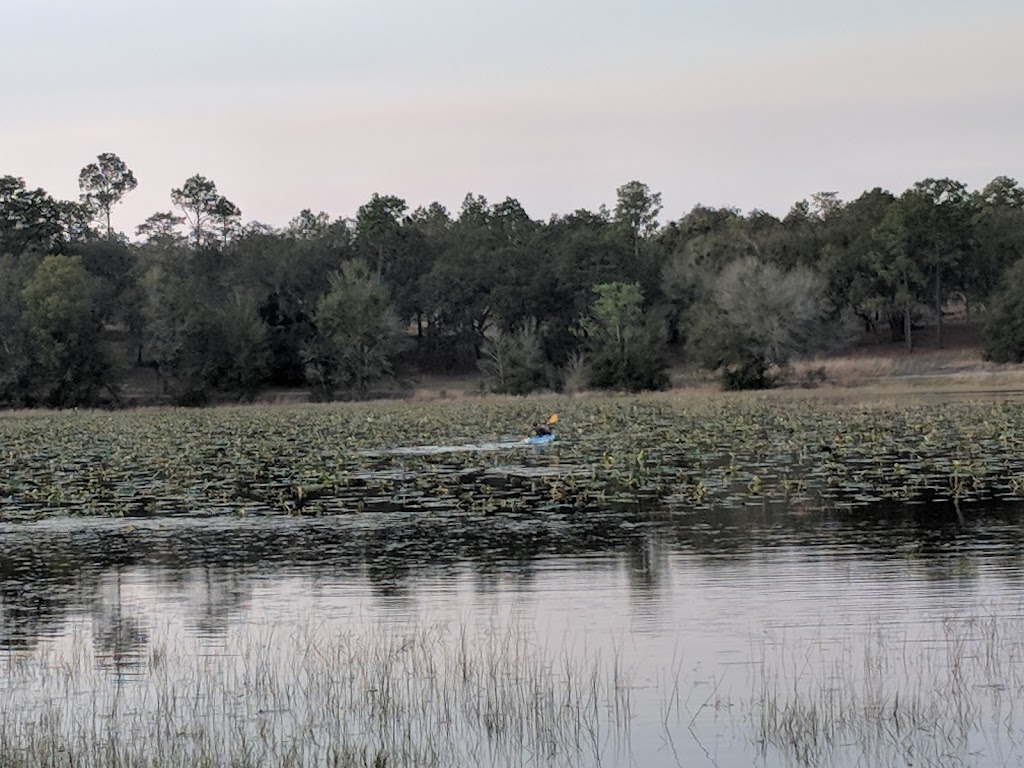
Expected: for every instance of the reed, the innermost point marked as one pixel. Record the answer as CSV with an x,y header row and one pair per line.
x,y
432,695
890,698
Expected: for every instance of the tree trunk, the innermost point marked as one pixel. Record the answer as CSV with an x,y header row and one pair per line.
x,y
938,305
906,328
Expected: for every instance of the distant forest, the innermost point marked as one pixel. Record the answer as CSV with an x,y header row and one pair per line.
x,y
220,309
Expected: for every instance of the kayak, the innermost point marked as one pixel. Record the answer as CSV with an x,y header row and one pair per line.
x,y
540,439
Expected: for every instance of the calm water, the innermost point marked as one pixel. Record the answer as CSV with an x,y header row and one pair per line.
x,y
742,637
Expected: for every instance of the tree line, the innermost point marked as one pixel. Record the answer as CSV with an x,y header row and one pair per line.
x,y
221,308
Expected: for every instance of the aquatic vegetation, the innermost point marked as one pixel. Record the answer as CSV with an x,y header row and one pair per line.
x,y
402,490
891,698
671,453
430,695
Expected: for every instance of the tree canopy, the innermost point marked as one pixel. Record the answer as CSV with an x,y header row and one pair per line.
x,y
217,307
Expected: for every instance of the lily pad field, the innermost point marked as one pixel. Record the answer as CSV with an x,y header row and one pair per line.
x,y
467,458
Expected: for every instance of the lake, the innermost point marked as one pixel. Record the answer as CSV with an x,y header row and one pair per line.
x,y
884,634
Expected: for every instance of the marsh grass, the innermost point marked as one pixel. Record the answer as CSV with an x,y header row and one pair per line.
x,y
423,696
885,698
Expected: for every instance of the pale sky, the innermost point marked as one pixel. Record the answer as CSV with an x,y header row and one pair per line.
x,y
292,104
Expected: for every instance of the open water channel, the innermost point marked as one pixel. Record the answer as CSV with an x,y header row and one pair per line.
x,y
885,636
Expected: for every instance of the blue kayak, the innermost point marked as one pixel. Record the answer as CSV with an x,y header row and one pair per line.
x,y
540,439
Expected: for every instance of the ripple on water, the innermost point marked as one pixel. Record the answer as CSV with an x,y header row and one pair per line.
x,y
700,607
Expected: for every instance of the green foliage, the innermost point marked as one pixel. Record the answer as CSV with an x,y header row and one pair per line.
x,y
65,333
103,185
201,343
226,349
227,219
358,335
458,291
289,276
204,207
161,229
514,362
997,236
15,344
166,311
637,208
30,219
113,264
847,258
469,284
379,233
757,319
1003,329
625,346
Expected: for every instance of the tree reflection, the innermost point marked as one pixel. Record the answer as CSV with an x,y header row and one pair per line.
x,y
49,575
215,598
119,637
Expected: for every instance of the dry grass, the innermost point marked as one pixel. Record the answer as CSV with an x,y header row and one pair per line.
x,y
441,387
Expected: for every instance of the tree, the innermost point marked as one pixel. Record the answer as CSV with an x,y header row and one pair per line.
x,y
824,204
698,247
65,332
226,218
998,236
848,258
429,236
942,235
379,232
289,276
199,200
624,346
15,344
29,218
103,184
637,208
168,307
457,291
161,228
898,264
225,349
308,225
758,318
113,264
357,336
1003,328
581,250
514,363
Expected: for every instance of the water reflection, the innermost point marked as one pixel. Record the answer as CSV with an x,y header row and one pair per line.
x,y
689,605
119,636
51,570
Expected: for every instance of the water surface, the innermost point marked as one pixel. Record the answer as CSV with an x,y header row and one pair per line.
x,y
720,638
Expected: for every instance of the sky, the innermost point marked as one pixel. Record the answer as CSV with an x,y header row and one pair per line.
x,y
293,104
